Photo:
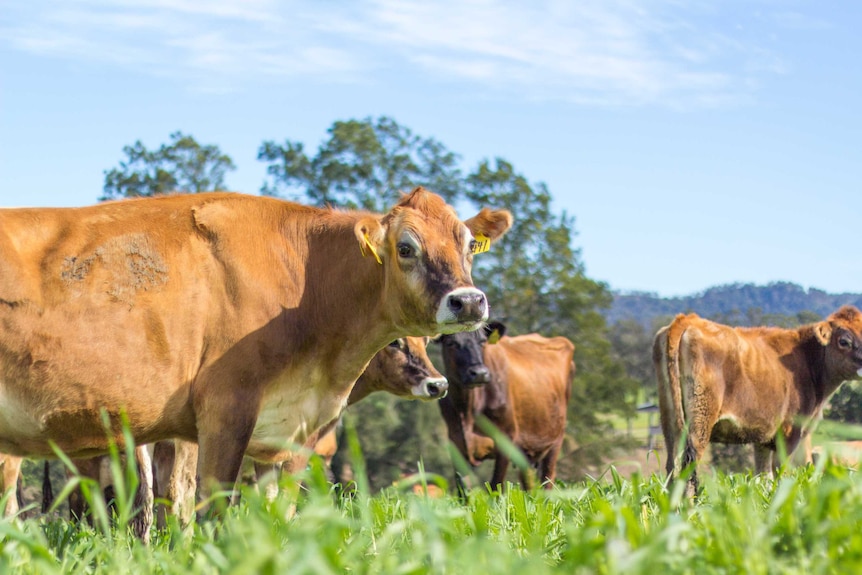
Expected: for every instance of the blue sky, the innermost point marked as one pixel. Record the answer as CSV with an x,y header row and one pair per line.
x,y
696,143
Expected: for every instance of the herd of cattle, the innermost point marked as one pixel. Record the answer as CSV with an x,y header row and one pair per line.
x,y
224,326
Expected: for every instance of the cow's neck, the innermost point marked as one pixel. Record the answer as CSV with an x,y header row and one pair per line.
x,y
343,303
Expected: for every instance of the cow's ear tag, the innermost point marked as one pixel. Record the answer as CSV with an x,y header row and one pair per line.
x,y
480,244
370,247
494,336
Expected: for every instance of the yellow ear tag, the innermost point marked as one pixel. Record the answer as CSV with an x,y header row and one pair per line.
x,y
494,336
481,244
371,249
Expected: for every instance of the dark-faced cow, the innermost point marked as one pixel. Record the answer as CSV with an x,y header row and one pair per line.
x,y
749,385
521,384
238,322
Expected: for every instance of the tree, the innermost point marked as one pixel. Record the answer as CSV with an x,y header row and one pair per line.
x,y
631,345
183,165
535,282
364,164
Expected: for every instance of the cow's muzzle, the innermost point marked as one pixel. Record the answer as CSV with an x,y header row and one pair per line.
x,y
476,375
436,387
462,309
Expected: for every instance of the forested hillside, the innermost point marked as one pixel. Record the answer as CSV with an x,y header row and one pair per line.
x,y
736,303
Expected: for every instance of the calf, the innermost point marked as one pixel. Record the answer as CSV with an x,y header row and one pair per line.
x,y
521,384
749,385
402,368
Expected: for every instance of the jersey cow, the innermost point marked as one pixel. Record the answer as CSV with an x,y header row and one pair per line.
x,y
749,385
239,322
521,384
402,368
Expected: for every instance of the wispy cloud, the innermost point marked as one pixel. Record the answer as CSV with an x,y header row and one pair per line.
x,y
609,52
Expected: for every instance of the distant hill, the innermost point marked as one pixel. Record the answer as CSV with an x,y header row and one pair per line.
x,y
733,300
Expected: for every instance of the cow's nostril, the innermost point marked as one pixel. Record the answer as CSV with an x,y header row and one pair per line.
x,y
455,304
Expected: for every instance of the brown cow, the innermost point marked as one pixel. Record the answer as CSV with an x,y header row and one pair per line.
x,y
521,384
749,385
402,368
236,321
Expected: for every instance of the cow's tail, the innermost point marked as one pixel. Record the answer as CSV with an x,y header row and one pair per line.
x,y
672,340
47,489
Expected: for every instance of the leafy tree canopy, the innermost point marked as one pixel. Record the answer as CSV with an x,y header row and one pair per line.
x,y
183,165
535,281
364,164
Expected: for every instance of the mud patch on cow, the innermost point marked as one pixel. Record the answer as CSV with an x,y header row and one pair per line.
x,y
123,266
76,269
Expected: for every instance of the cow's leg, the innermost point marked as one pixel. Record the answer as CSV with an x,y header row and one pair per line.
x,y
222,442
703,415
791,442
548,465
142,521
163,464
501,466
267,474
763,455
175,464
802,454
10,467
225,413
89,468
219,464
528,478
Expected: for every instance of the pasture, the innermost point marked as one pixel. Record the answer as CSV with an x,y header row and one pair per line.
x,y
808,520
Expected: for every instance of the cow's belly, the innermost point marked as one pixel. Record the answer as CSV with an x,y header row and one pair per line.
x,y
729,429
28,426
288,416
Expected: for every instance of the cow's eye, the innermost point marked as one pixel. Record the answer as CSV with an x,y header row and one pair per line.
x,y
844,342
405,250
398,344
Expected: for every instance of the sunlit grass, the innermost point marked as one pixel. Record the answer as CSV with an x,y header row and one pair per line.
x,y
808,520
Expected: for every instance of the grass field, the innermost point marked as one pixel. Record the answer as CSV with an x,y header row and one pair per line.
x,y
808,520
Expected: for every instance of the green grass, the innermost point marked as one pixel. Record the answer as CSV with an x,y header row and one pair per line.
x,y
807,521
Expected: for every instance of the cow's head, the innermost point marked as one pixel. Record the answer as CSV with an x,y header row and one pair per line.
x,y
841,336
427,256
463,355
403,368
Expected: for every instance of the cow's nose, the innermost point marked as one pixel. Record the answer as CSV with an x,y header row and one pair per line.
x,y
436,387
462,308
467,306
478,375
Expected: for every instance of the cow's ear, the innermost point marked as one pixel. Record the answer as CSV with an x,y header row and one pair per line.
x,y
495,331
823,332
489,224
371,235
